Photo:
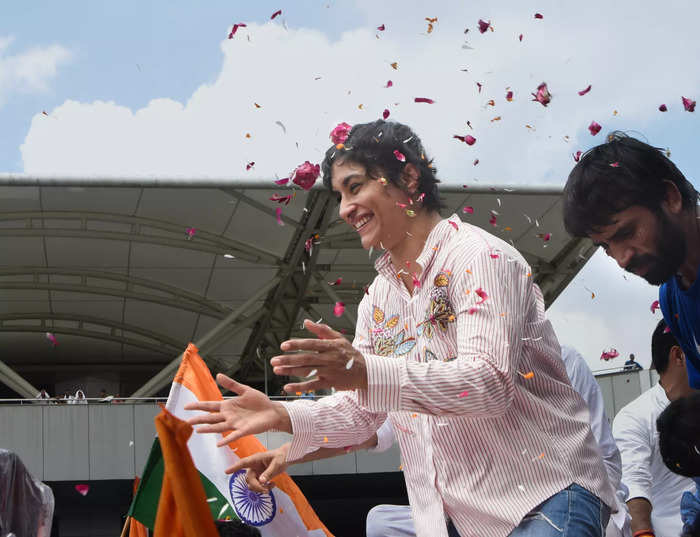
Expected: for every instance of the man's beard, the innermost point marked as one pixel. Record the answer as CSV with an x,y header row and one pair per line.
x,y
670,253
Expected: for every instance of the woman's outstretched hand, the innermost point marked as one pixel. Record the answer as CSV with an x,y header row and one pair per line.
x,y
251,412
262,467
331,359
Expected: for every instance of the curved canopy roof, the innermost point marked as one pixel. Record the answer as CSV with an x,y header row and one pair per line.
x,y
107,266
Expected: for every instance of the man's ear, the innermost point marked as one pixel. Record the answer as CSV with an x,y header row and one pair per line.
x,y
410,177
673,201
677,356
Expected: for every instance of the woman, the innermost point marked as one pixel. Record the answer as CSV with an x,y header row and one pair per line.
x,y
452,343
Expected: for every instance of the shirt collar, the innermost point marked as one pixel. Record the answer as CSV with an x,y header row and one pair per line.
x,y
436,238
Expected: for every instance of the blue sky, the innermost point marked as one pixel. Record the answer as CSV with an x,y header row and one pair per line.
x,y
155,87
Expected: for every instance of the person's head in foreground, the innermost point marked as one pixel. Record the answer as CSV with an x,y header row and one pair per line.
x,y
669,361
631,200
384,182
235,528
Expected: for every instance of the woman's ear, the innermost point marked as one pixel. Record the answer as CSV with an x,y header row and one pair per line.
x,y
410,177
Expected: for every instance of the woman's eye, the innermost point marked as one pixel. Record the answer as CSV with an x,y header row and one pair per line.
x,y
353,188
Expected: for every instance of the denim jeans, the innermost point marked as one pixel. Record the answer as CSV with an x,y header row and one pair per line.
x,y
573,512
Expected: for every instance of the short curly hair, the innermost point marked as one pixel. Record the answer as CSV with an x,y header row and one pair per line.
x,y
372,145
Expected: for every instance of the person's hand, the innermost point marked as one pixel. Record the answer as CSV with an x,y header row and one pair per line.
x,y
262,467
330,358
250,413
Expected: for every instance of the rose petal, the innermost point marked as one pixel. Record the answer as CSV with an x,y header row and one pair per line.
x,y
663,108
482,295
453,224
614,164
469,210
389,83
483,25
249,165
594,128
493,219
539,16
584,91
235,29
654,306
577,156
520,38
469,139
463,394
399,155
479,85
386,113
276,14
338,309
282,181
542,96
306,174
423,100
476,161
278,213
688,104
509,96
381,28
83,489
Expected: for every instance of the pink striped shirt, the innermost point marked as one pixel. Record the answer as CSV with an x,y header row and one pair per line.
x,y
470,373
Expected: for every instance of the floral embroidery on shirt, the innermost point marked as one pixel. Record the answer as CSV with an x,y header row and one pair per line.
x,y
385,343
440,311
430,355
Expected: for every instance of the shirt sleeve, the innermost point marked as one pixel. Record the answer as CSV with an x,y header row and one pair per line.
x,y
337,420
385,437
584,383
632,436
492,297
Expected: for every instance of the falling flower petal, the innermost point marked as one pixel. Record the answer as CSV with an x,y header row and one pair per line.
x,y
416,281
688,104
395,66
482,295
281,199
667,330
389,83
528,375
577,156
492,219
249,165
386,113
539,16
453,224
306,174
654,306
278,213
282,181
190,231
479,85
51,338
542,96
594,128
469,210
545,236
399,155
235,29
491,102
483,26
423,100
614,164
520,38
509,96
609,355
584,91
476,161
83,489
336,282
349,363
663,108
338,309
276,14
340,133
381,28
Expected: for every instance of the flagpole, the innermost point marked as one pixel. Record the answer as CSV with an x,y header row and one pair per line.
x,y
126,526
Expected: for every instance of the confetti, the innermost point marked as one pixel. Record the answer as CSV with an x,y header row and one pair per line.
x,y
389,84
528,375
654,306
278,213
82,489
395,66
609,355
276,14
190,231
663,108
381,27
325,439
306,174
479,85
249,165
386,113
476,161
497,118
594,128
468,139
423,100
484,26
520,38
468,209
539,16
577,156
584,91
338,309
340,133
463,394
336,282
688,104
235,29
509,96
51,338
284,129
399,156
542,96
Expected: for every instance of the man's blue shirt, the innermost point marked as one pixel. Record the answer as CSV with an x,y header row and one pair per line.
x,y
681,309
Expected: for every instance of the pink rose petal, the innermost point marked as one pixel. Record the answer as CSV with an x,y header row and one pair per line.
x,y
190,231
577,156
609,355
520,38
276,14
249,165
235,29
482,295
542,96
493,219
584,91
381,28
282,181
663,108
654,306
469,210
463,394
453,224
386,113
476,161
399,155
594,128
278,213
389,83
509,96
688,104
83,489
483,26
338,309
423,100
539,16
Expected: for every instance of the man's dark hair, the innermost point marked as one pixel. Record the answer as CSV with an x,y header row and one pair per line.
x,y
679,435
372,145
662,341
235,528
616,175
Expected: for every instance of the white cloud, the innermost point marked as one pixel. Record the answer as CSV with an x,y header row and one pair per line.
x,y
635,54
30,70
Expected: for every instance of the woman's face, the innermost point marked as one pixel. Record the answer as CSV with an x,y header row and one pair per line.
x,y
370,206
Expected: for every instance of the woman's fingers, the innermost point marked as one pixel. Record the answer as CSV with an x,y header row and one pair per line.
x,y
215,428
206,418
275,468
254,483
230,384
304,386
249,462
231,437
322,331
206,406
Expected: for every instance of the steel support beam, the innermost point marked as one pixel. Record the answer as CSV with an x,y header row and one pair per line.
x,y
16,382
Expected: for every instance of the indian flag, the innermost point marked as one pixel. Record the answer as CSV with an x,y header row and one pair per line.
x,y
282,512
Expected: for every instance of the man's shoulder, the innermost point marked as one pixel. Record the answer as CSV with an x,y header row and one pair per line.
x,y
640,409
